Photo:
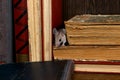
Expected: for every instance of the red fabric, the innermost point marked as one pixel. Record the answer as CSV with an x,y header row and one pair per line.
x,y
56,21
56,13
19,26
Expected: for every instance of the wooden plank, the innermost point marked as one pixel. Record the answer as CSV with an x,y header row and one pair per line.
x,y
40,26
47,29
34,23
88,52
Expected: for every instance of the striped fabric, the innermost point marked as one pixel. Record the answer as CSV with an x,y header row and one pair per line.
x,y
21,28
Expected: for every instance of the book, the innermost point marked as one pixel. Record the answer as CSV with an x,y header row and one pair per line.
x,y
98,59
6,42
97,68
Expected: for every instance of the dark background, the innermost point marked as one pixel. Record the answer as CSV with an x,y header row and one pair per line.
x,y
73,7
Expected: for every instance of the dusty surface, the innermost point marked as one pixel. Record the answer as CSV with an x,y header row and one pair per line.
x,y
96,19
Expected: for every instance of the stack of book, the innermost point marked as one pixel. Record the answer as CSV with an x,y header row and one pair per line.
x,y
92,38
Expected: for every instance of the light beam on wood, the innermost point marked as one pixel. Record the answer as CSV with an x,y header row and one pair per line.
x,y
34,27
40,30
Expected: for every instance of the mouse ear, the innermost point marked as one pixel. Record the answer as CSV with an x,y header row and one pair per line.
x,y
55,31
64,31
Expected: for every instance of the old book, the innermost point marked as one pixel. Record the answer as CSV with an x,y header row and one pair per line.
x,y
93,30
99,59
47,70
6,38
101,68
100,53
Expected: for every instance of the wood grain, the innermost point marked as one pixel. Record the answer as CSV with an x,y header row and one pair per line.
x,y
35,27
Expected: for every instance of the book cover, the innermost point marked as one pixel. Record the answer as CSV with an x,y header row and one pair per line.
x,y
6,31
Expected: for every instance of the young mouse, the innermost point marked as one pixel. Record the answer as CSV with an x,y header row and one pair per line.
x,y
60,37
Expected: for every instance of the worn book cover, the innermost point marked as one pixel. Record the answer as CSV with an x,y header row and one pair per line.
x,y
6,31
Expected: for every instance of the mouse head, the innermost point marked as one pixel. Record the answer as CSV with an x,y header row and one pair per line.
x,y
60,37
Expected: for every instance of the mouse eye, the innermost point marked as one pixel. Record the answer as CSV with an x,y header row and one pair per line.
x,y
59,39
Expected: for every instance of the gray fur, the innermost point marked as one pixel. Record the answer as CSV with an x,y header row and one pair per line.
x,y
60,37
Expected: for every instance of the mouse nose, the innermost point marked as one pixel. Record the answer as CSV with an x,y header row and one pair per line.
x,y
66,43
